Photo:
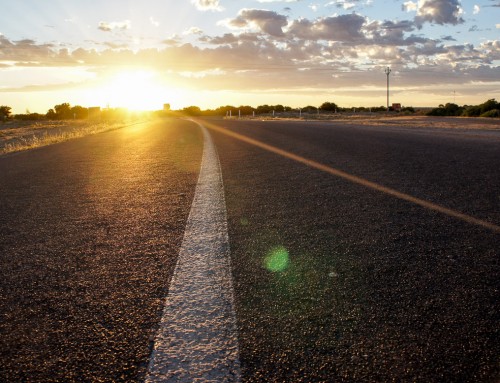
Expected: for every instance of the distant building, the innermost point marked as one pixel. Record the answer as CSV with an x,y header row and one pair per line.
x,y
166,107
396,107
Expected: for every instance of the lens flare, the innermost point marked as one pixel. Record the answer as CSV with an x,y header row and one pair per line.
x,y
277,259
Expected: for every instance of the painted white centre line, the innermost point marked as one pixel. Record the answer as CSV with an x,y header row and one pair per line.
x,y
197,340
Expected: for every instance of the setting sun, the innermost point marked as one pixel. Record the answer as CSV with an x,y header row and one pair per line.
x,y
134,90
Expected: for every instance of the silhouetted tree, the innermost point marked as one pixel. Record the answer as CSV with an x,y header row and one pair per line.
x,y
51,114
192,111
63,111
264,109
450,109
5,112
309,109
224,110
79,112
246,110
29,116
329,106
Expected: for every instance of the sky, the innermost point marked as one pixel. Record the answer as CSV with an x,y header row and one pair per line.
x,y
211,53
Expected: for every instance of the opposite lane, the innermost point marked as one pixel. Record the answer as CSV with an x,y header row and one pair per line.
x,y
338,282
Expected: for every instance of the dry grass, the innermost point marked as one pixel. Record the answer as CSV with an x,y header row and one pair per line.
x,y
473,123
407,121
17,136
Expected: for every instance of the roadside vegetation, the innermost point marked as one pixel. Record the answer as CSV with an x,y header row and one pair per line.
x,y
65,112
327,108
490,108
64,122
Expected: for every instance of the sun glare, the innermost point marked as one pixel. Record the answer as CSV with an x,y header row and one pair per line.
x,y
135,90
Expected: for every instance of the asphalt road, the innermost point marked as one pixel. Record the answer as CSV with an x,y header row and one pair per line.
x,y
334,281
374,288
89,235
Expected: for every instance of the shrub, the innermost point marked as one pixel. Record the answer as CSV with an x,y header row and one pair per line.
x,y
491,113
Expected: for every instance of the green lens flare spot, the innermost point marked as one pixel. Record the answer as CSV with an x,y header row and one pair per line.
x,y
277,259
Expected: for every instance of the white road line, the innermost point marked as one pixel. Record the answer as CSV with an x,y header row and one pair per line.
x,y
197,340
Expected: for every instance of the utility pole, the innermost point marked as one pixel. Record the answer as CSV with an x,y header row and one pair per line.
x,y
387,72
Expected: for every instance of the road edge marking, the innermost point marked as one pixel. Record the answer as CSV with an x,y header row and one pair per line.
x,y
198,339
360,181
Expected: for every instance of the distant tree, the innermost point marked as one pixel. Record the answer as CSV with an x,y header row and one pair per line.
x,y
491,113
192,111
309,109
246,110
29,116
279,108
409,109
51,114
450,109
79,112
491,104
472,111
223,110
63,111
264,109
329,106
5,112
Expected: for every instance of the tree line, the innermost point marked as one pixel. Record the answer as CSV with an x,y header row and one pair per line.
x,y
246,110
65,111
490,108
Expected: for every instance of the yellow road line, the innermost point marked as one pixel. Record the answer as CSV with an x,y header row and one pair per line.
x,y
357,180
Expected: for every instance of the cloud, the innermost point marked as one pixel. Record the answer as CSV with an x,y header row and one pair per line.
x,y
344,4
154,22
476,10
266,48
410,6
268,22
172,41
439,12
193,31
345,28
113,26
231,39
29,53
207,5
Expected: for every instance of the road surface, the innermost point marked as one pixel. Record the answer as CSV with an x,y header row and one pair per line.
x,y
336,278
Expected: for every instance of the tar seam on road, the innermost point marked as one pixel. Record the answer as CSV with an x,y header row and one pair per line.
x,y
197,339
360,181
